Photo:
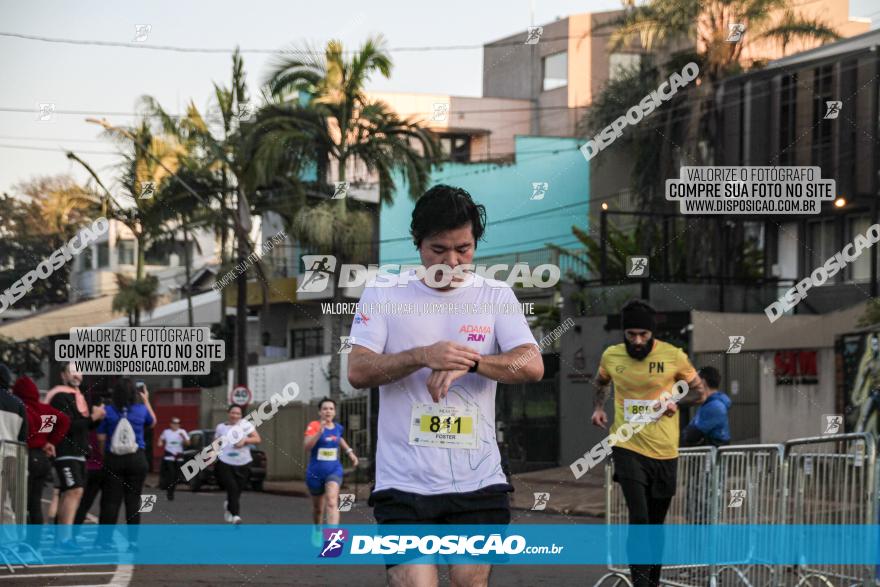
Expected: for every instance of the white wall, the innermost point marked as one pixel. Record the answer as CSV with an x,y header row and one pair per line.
x,y
795,411
308,374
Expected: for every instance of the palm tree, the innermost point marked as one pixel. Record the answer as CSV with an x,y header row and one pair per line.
x,y
683,128
663,24
135,295
149,162
233,163
323,114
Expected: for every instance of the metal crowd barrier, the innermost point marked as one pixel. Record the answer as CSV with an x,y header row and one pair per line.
x,y
831,480
13,502
828,479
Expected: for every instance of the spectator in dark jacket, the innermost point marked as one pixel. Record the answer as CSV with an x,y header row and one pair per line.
x,y
710,425
48,427
13,427
71,453
13,418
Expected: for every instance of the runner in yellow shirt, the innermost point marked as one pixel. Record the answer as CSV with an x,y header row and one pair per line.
x,y
642,368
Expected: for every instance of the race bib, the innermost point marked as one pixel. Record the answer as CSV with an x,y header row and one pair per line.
x,y
443,426
640,410
327,454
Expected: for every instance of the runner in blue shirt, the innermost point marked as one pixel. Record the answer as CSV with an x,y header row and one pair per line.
x,y
324,473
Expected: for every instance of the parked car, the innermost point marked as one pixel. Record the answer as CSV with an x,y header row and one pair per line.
x,y
199,439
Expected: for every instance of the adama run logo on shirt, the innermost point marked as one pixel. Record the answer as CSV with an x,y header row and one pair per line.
x,y
475,332
361,318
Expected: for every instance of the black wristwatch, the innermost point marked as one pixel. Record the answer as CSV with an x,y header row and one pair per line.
x,y
474,368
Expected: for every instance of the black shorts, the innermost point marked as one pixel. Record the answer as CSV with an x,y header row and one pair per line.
x,y
486,506
659,475
71,474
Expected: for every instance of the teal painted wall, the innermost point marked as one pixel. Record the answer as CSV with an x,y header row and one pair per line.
x,y
516,222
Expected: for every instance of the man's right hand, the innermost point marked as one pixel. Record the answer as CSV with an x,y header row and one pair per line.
x,y
600,418
447,356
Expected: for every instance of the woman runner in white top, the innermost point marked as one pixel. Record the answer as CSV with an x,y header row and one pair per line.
x,y
232,468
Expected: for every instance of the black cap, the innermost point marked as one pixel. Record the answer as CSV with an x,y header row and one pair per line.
x,y
637,314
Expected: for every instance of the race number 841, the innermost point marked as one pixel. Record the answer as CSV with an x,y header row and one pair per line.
x,y
443,426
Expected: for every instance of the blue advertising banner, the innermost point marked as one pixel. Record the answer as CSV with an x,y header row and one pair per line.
x,y
518,544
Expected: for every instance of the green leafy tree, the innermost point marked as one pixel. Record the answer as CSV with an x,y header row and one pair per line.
x,y
322,113
43,214
24,357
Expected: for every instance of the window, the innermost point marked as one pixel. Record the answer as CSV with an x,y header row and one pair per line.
x,y
85,259
125,252
555,71
787,118
160,253
103,255
619,63
456,147
821,242
306,342
860,269
822,92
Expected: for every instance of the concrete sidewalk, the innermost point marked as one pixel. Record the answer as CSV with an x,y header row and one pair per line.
x,y
581,497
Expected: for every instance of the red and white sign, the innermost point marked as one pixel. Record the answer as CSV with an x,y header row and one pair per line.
x,y
240,395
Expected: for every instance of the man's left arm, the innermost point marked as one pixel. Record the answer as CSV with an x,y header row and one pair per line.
x,y
518,365
697,392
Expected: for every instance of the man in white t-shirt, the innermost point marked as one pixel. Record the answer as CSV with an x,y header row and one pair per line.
x,y
173,440
437,460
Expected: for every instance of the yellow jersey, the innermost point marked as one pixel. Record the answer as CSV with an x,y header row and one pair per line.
x,y
637,384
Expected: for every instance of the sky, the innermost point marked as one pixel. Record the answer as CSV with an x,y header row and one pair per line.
x,y
109,80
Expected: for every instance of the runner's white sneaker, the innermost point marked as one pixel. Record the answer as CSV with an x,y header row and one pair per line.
x,y
236,520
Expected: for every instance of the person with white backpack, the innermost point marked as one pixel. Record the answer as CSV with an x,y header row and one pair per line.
x,y
121,438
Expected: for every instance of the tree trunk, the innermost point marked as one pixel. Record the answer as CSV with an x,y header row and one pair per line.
x,y
188,272
241,314
335,333
223,258
139,274
336,320
241,374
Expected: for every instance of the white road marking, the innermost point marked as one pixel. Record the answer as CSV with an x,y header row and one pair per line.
x,y
73,574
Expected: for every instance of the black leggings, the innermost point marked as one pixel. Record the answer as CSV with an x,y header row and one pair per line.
x,y
169,474
94,483
233,478
39,471
124,477
643,509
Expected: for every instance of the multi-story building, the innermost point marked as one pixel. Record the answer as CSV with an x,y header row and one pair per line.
x,y
93,273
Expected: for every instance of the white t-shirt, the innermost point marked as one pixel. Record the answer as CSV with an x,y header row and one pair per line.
x,y
429,469
229,454
173,441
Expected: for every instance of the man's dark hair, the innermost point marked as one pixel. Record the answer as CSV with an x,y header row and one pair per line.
x,y
444,208
231,406
326,399
711,376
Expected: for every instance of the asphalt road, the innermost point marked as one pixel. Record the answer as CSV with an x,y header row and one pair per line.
x,y
262,508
